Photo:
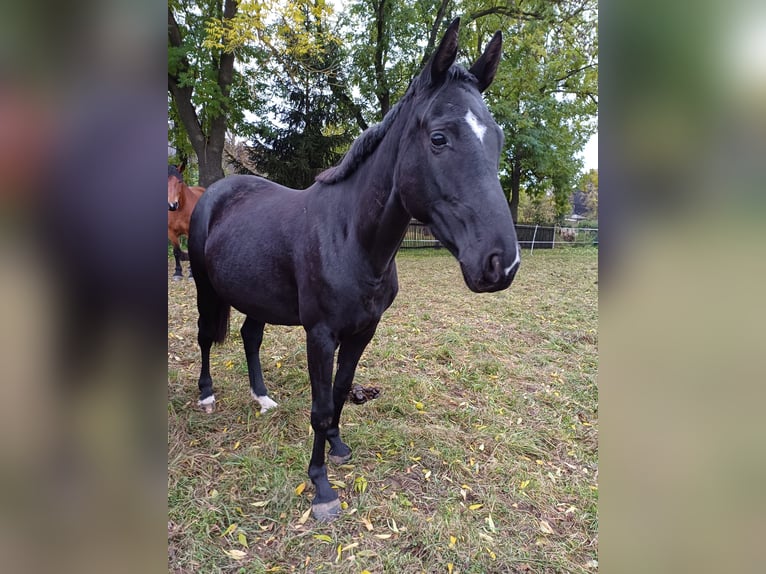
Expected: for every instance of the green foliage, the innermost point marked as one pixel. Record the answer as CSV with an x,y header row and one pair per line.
x,y
307,129
539,209
588,184
544,97
307,78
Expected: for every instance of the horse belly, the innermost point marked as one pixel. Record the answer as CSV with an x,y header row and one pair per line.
x,y
270,297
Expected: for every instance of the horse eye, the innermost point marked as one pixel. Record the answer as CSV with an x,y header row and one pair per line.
x,y
438,139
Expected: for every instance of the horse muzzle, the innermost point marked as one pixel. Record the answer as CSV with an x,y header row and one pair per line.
x,y
172,206
495,273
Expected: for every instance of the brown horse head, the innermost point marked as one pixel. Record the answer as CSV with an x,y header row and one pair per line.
x,y
175,187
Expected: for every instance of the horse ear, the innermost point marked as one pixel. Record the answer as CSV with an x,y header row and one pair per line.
x,y
445,54
182,167
486,66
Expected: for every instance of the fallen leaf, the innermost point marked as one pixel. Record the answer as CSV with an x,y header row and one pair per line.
x,y
452,541
491,523
305,516
260,503
476,506
242,539
323,537
382,536
449,567
300,488
229,530
545,527
236,554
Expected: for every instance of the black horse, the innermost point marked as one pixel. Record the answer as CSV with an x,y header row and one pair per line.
x,y
323,258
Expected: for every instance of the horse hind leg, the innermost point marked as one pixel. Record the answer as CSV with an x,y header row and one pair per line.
x,y
252,337
213,325
350,352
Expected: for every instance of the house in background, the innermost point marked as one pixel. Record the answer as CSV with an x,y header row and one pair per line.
x,y
580,209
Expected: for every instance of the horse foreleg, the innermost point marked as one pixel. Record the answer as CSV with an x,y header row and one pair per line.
x,y
252,337
178,256
320,349
350,352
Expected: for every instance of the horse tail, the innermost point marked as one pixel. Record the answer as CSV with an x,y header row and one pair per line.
x,y
214,312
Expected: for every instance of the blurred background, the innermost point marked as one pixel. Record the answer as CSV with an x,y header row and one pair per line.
x,y
82,291
681,377
83,130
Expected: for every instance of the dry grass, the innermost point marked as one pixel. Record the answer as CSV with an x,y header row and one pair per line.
x,y
480,455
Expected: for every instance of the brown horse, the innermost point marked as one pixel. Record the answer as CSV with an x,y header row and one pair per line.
x,y
181,202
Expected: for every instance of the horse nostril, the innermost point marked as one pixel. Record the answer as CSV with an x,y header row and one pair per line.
x,y
494,268
172,206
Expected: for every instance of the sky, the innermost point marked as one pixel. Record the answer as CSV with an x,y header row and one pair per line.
x,y
590,153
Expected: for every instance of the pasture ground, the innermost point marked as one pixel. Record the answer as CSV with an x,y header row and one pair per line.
x,y
480,454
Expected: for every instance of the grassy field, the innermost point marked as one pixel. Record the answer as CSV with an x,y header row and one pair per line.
x,y
480,454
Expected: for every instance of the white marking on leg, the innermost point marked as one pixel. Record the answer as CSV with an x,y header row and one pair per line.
x,y
515,261
265,401
478,128
207,404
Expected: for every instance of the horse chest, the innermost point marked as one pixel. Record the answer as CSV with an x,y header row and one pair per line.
x,y
363,303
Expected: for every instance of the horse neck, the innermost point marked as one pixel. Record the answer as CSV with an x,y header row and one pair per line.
x,y
381,218
185,198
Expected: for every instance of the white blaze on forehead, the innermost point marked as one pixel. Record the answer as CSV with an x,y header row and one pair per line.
x,y
478,128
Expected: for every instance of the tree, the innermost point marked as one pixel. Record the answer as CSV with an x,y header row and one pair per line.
x,y
200,80
545,93
314,127
588,184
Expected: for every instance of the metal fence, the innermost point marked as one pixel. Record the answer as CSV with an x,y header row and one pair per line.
x,y
530,236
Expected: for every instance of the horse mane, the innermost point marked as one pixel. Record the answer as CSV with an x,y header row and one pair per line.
x,y
368,142
173,172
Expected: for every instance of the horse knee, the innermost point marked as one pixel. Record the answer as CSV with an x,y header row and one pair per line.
x,y
321,420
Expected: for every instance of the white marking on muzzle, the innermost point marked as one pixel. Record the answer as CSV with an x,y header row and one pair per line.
x,y
478,128
515,261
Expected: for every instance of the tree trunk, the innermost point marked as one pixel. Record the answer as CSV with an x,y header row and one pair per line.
x,y
515,188
382,92
433,35
208,147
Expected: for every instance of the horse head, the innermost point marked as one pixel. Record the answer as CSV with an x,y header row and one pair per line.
x,y
447,173
175,188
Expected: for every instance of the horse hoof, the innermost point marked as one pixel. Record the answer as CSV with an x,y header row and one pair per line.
x,y
265,402
326,511
339,459
207,404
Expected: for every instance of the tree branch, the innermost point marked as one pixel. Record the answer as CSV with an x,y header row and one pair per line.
x,y
182,95
434,31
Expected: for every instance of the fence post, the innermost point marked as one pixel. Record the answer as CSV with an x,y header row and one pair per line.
x,y
532,250
553,243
